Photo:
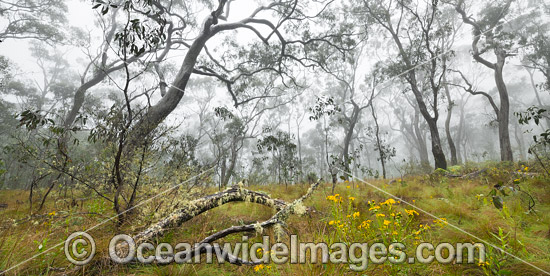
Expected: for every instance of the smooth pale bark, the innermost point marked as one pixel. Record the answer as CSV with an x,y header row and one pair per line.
x,y
99,75
519,140
506,153
157,113
437,150
414,135
452,147
378,141
228,173
503,114
349,136
300,149
420,138
461,133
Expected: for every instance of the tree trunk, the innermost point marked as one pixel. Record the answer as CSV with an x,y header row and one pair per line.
x,y
452,147
157,113
300,154
460,133
230,170
223,170
421,141
506,153
349,135
503,115
379,142
519,141
334,177
437,150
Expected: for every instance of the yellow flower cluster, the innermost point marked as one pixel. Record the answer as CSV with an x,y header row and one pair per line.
x,y
260,267
374,208
412,212
386,222
365,224
483,264
336,198
389,202
440,222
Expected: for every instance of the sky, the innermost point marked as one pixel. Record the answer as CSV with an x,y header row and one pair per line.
x,y
82,15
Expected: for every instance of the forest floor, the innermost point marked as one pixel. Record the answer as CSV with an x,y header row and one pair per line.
x,y
357,213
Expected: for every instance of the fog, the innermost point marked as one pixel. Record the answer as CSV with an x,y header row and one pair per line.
x,y
271,97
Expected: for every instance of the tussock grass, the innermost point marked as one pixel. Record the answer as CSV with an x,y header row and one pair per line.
x,y
453,199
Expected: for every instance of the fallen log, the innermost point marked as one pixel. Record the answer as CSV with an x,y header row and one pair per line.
x,y
473,174
198,206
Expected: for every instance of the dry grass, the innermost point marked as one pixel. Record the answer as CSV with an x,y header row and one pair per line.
x,y
450,198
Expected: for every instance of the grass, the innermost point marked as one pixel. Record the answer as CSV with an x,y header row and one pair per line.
x,y
464,203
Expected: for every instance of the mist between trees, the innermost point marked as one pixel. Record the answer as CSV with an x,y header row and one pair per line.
x,y
153,92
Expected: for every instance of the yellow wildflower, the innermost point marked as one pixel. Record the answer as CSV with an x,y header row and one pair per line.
x,y
387,222
335,198
364,224
411,212
390,201
258,267
380,215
